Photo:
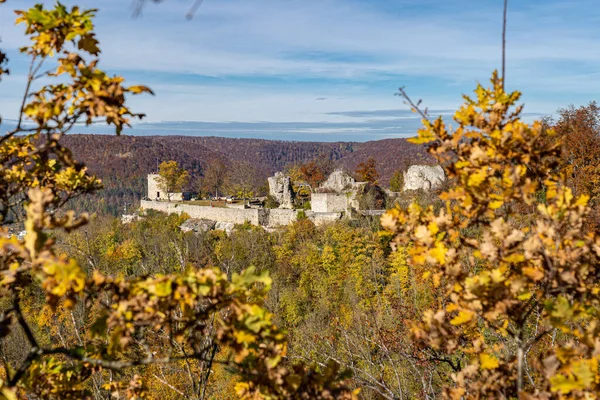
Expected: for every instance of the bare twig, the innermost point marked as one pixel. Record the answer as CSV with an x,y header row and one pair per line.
x,y
193,9
167,384
414,107
31,76
208,370
16,306
504,44
139,5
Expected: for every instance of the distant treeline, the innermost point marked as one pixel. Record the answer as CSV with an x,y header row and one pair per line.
x,y
122,162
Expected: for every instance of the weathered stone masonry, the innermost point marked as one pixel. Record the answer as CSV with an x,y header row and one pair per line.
x,y
257,216
155,192
232,215
330,202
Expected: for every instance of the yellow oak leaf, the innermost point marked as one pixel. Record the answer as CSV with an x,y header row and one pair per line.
x,y
462,317
534,273
488,361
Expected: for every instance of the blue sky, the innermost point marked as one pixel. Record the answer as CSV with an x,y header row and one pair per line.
x,y
328,69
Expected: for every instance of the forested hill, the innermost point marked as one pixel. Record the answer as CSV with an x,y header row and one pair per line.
x,y
123,161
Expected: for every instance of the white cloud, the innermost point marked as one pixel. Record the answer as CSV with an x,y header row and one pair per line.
x,y
341,50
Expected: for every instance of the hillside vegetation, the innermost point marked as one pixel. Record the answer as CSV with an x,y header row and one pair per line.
x,y
122,162
487,289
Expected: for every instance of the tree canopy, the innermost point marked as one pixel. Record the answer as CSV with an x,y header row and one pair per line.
x,y
397,181
490,290
367,171
130,322
172,178
516,273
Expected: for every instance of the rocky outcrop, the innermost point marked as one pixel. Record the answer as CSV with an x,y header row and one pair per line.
x,y
424,177
204,225
338,182
198,225
280,187
225,226
129,218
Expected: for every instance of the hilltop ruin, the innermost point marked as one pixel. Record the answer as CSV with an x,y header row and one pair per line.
x,y
336,198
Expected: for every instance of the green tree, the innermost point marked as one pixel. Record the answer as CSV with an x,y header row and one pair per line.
x,y
397,181
172,178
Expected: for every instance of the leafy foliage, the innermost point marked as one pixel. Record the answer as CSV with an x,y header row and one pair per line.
x,y
397,181
314,172
519,275
367,171
172,178
129,321
579,131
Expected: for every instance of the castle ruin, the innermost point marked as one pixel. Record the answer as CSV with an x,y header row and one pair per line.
x,y
336,198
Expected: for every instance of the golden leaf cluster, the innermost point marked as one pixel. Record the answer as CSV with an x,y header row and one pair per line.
x,y
181,317
509,252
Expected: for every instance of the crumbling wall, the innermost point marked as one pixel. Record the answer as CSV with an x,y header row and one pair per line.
x,y
225,217
329,202
323,217
280,217
219,214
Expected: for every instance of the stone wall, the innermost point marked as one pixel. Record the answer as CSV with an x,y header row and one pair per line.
x,y
320,218
261,217
219,214
329,202
280,217
318,202
154,191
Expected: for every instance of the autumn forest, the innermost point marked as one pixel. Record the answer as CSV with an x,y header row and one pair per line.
x,y
487,287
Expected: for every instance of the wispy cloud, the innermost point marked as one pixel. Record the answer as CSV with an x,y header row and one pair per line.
x,y
393,113
359,131
276,61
